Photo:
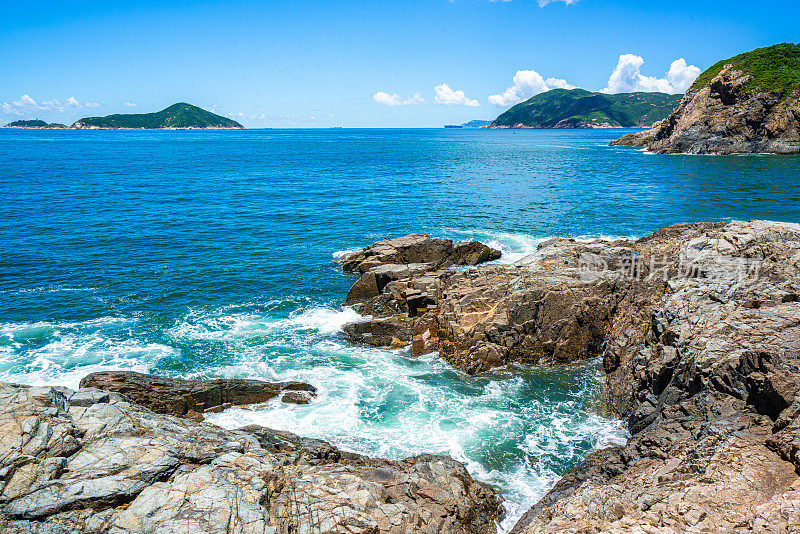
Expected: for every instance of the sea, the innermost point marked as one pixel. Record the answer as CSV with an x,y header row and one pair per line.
x,y
201,254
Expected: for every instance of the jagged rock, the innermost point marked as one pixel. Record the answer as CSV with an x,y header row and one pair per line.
x,y
106,465
726,117
175,396
698,326
544,308
703,362
393,332
417,248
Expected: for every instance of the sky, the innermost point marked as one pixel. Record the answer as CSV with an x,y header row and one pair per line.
x,y
360,63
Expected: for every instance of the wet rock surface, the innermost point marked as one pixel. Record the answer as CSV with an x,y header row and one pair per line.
x,y
726,117
90,461
191,398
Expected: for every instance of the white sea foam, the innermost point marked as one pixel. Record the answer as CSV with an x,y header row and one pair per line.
x,y
45,353
341,253
371,401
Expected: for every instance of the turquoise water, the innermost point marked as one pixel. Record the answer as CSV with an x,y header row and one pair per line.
x,y
205,254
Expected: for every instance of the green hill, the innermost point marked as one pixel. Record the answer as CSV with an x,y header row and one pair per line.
x,y
578,108
179,116
774,68
36,123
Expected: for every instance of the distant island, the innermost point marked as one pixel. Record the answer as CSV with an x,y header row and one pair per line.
x,y
578,108
749,103
470,124
180,116
34,124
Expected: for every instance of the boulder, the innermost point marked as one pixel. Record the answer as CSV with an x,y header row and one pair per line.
x,y
175,396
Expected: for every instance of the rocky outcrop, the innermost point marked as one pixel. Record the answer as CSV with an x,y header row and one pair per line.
x,y
703,361
89,461
727,116
418,248
698,327
192,398
542,309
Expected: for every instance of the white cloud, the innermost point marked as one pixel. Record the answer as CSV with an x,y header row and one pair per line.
x,y
627,77
131,104
25,100
681,75
449,97
26,105
386,99
527,83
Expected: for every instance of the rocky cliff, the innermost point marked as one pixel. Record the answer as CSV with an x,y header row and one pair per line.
x,y
698,327
90,461
747,104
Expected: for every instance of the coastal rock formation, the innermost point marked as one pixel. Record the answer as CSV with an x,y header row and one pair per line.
x,y
735,107
698,326
416,249
703,362
191,398
89,461
542,309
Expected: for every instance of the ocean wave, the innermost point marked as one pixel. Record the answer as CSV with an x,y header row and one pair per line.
x,y
62,353
515,428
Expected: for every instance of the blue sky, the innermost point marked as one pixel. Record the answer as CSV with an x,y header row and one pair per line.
x,y
414,63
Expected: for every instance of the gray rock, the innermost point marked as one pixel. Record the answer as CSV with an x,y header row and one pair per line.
x,y
108,465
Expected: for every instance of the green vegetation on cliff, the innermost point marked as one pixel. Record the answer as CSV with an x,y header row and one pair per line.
x,y
177,116
578,108
774,68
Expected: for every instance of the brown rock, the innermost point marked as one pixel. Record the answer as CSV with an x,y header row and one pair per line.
x,y
417,248
191,398
709,386
726,117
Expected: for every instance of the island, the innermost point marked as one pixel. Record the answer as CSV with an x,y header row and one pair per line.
x,y
180,116
579,108
749,103
34,124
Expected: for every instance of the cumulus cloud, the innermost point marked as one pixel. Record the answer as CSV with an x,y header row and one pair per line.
x,y
527,83
26,105
627,77
450,97
387,99
130,104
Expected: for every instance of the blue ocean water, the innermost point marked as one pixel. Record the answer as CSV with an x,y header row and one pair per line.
x,y
204,254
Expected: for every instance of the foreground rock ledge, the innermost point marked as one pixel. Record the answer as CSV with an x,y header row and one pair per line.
x,y
89,461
